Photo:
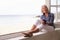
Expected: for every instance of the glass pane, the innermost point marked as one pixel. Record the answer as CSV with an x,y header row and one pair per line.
x,y
53,9
18,15
58,12
58,9
53,2
58,2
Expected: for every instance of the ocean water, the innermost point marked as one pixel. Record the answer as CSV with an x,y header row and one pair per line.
x,y
15,23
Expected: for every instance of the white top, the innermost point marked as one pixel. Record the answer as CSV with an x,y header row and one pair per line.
x,y
45,28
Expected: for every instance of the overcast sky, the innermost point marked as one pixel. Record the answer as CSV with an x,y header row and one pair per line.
x,y
20,7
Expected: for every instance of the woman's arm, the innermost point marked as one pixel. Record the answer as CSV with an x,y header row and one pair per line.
x,y
51,19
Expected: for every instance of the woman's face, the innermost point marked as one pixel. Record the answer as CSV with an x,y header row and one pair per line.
x,y
44,9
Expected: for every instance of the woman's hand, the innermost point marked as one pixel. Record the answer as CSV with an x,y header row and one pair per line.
x,y
38,16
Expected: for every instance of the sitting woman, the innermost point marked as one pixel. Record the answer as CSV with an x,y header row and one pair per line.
x,y
47,23
39,27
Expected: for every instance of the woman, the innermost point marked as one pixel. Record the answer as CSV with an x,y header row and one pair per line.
x,y
49,17
46,18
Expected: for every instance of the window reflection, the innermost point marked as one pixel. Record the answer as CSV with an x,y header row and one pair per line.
x,y
58,2
53,10
53,2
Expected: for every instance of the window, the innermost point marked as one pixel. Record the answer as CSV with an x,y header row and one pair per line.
x,y
53,2
55,8
18,15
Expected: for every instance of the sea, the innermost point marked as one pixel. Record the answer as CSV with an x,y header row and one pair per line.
x,y
16,23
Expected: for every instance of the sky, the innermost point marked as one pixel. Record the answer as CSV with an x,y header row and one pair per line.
x,y
20,7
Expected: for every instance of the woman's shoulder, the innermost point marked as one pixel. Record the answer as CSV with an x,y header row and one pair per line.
x,y
51,13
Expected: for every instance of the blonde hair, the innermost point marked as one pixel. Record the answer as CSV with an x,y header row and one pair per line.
x,y
45,7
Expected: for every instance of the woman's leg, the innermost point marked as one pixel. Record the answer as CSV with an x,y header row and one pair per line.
x,y
34,31
30,33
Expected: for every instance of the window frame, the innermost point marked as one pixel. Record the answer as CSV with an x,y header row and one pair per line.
x,y
57,6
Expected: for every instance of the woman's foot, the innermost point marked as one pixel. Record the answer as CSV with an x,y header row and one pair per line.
x,y
27,35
